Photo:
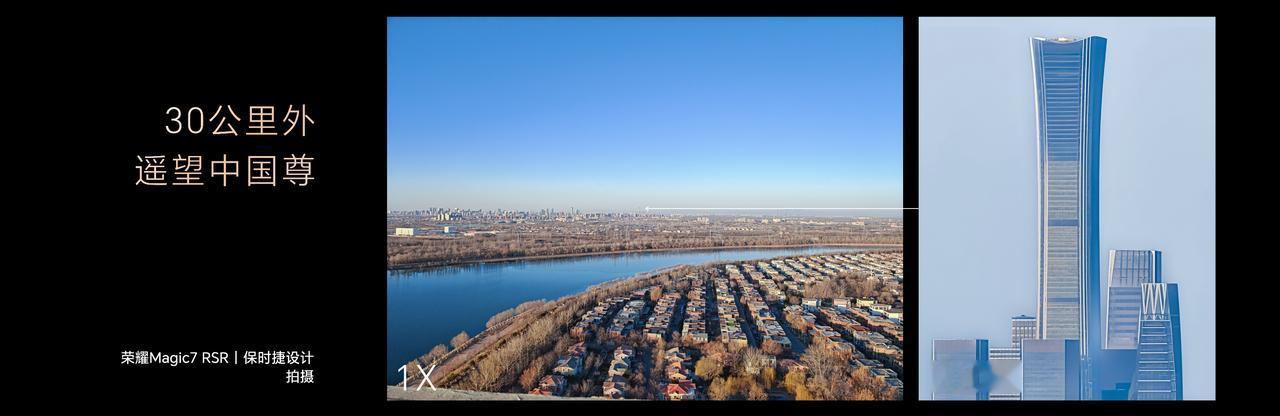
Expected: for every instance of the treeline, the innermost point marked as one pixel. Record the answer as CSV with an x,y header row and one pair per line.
x,y
519,309
443,251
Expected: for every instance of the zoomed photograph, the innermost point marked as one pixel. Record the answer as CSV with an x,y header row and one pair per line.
x,y
662,209
1067,209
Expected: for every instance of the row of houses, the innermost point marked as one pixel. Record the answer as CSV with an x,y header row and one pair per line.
x,y
659,324
868,340
838,334
727,310
793,270
695,319
679,375
884,265
880,265
626,318
767,326
615,384
595,317
879,321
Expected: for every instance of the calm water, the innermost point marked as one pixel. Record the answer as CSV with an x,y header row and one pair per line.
x,y
425,308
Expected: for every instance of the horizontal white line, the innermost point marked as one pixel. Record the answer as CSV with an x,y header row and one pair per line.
x,y
773,209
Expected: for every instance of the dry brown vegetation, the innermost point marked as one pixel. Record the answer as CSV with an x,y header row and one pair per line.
x,y
830,377
509,313
445,250
850,285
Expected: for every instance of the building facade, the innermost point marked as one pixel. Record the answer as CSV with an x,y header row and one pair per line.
x,y
960,369
1051,369
1127,270
1159,365
1022,327
1006,372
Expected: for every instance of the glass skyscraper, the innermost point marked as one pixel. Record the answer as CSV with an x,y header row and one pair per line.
x,y
1159,372
1127,271
1068,89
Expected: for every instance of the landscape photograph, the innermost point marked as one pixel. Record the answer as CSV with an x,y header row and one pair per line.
x,y
657,208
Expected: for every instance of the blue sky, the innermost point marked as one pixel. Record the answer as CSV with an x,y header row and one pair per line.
x,y
978,182
622,113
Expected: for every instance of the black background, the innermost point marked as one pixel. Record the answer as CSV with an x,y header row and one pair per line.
x,y
246,268
287,268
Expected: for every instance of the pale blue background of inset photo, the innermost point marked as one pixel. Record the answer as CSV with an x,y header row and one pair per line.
x,y
978,171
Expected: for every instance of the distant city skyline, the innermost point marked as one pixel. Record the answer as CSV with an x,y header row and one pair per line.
x,y
616,114
727,212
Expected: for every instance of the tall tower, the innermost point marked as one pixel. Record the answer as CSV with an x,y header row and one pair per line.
x,y
1068,91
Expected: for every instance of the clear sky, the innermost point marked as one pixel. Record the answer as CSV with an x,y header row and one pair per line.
x,y
622,113
978,181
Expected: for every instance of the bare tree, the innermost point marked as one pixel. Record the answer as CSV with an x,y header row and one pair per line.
x,y
459,340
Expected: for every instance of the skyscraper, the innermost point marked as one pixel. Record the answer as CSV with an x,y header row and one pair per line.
x,y
1127,270
1159,366
960,369
1050,369
1068,89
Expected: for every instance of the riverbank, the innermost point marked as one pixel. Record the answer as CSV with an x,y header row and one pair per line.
x,y
433,265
